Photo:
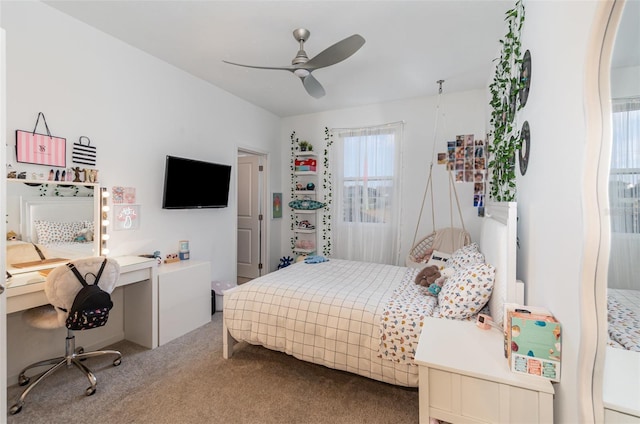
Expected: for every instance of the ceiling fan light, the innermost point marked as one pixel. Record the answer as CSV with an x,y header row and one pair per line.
x,y
301,73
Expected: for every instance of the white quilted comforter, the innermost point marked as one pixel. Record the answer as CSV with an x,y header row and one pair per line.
x,y
327,313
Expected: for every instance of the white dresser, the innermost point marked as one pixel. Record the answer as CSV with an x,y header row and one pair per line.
x,y
464,377
184,298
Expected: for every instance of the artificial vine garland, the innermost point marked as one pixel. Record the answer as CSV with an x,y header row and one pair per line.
x,y
504,90
73,190
294,147
327,195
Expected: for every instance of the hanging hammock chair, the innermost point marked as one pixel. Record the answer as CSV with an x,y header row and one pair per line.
x,y
445,240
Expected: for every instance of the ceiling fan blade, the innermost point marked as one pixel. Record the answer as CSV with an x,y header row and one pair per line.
x,y
290,68
312,86
336,53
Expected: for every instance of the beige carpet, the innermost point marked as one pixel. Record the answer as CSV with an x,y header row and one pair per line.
x,y
188,381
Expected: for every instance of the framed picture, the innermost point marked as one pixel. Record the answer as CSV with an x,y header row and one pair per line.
x,y
276,206
126,217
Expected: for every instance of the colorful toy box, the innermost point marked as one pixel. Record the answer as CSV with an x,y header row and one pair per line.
x,y
535,345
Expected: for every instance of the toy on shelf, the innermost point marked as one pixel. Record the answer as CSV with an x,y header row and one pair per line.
x,y
172,257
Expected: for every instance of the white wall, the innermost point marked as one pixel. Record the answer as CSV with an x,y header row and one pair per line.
x,y
551,225
460,113
136,109
625,82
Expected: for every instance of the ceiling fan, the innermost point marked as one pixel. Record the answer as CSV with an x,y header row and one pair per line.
x,y
302,66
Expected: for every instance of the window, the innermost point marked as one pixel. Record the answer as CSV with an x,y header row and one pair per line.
x,y
624,178
366,180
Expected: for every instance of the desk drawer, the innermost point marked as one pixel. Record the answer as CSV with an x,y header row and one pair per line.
x,y
25,301
133,277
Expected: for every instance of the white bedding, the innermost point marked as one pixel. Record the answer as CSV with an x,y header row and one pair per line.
x,y
346,315
624,318
330,318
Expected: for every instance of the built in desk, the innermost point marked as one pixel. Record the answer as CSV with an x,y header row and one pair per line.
x,y
138,282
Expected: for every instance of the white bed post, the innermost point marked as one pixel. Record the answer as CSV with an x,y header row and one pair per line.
x,y
228,342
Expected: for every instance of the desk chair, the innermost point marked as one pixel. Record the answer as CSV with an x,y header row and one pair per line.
x,y
61,288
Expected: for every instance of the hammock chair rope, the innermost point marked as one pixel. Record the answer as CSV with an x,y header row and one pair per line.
x,y
418,250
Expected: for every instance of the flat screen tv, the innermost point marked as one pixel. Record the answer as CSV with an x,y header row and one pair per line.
x,y
195,184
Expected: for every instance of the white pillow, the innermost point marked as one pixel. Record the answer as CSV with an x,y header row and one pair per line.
x,y
438,259
467,291
57,232
466,256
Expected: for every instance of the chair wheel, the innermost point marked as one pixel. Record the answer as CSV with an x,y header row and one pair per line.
x,y
23,380
79,351
15,409
90,391
117,362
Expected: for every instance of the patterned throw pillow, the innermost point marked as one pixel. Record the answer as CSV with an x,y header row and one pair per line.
x,y
465,257
467,291
57,232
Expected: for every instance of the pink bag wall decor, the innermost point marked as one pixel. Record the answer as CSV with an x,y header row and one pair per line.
x,y
41,149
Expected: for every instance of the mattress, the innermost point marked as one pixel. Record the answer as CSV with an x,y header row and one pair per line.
x,y
328,313
623,310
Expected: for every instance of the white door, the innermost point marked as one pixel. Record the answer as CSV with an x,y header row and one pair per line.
x,y
250,218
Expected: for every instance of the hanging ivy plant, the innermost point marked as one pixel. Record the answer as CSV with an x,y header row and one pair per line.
x,y
505,89
327,195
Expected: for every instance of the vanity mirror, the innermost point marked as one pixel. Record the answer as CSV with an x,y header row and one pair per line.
x,y
52,222
621,151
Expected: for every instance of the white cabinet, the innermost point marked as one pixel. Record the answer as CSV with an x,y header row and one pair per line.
x,y
621,386
184,298
464,377
305,221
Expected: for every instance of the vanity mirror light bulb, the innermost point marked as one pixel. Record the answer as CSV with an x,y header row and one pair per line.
x,y
105,222
105,251
105,237
105,193
105,208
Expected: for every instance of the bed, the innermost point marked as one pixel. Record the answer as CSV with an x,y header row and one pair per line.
x,y
366,318
61,227
624,318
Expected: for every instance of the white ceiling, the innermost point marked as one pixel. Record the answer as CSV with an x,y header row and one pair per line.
x,y
409,45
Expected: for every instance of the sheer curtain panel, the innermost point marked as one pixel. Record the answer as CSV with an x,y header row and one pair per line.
x,y
365,165
624,195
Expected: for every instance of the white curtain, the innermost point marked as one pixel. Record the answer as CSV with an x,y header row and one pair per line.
x,y
624,195
365,164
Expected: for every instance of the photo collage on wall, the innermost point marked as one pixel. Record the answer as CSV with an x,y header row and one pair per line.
x,y
466,158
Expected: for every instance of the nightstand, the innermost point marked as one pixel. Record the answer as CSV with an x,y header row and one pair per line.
x,y
464,377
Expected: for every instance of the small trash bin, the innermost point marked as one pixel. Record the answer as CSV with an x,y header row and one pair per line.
x,y
217,291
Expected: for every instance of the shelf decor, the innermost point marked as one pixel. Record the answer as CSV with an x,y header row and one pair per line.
x,y
305,204
525,147
41,149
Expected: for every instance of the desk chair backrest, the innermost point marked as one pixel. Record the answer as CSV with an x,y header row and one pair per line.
x,y
62,285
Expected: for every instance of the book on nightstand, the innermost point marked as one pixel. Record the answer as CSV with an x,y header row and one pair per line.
x,y
533,341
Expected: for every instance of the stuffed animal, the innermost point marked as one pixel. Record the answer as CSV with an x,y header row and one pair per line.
x,y
435,287
285,261
12,236
427,275
83,236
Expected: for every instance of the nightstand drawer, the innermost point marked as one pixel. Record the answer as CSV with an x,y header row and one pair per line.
x,y
453,396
